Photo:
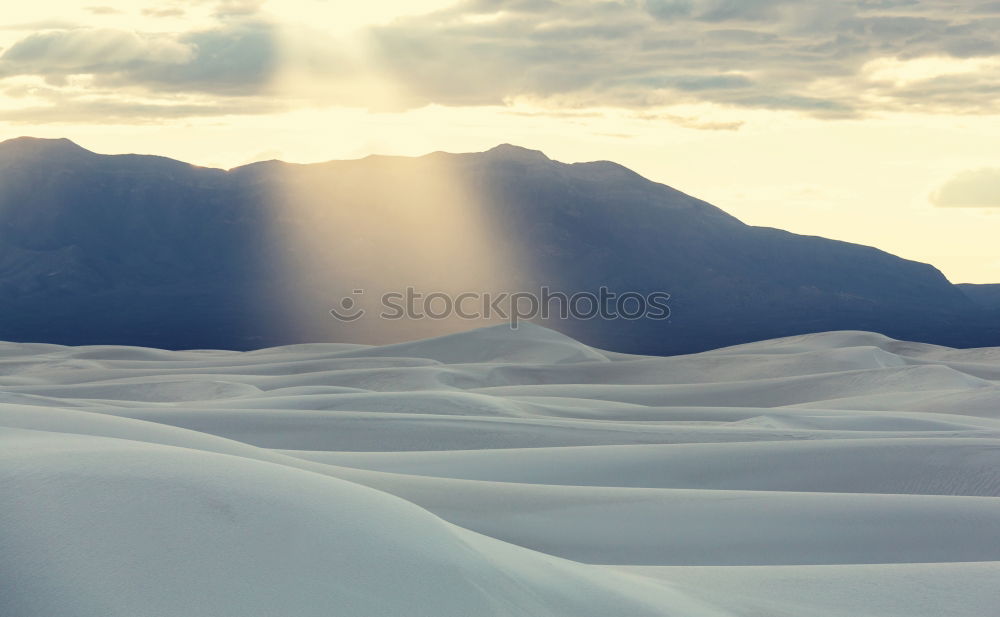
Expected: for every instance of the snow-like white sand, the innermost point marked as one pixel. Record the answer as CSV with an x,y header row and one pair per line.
x,y
500,472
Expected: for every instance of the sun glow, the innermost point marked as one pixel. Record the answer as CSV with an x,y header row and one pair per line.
x,y
421,226
910,71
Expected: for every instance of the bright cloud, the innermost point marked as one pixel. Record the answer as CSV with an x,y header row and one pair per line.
x,y
978,188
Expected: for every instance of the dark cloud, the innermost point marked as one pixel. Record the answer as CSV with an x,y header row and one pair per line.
x,y
819,106
706,82
740,10
234,60
237,59
669,9
953,93
85,50
979,188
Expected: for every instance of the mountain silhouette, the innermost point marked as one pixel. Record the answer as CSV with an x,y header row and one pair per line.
x,y
145,250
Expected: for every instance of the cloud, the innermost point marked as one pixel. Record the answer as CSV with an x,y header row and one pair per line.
x,y
84,50
979,188
44,24
102,10
988,7
37,103
222,9
73,111
693,123
740,10
243,65
238,59
804,55
824,58
237,8
170,11
669,9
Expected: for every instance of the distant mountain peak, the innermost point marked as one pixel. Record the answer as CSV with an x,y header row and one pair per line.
x,y
517,153
41,146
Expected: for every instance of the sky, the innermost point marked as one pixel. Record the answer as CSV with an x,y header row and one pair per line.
x,y
871,121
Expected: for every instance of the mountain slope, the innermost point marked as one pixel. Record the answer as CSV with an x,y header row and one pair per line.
x,y
145,250
984,295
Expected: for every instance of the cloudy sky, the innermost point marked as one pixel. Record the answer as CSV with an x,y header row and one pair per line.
x,y
874,121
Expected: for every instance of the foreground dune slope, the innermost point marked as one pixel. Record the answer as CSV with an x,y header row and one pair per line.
x,y
501,472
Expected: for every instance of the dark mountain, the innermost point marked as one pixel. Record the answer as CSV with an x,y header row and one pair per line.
x,y
983,295
987,297
146,250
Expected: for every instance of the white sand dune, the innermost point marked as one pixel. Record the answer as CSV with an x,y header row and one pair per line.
x,y
501,472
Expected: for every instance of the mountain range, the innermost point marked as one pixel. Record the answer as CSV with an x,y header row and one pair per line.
x,y
145,250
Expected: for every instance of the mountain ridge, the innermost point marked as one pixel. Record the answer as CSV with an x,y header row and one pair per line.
x,y
140,249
